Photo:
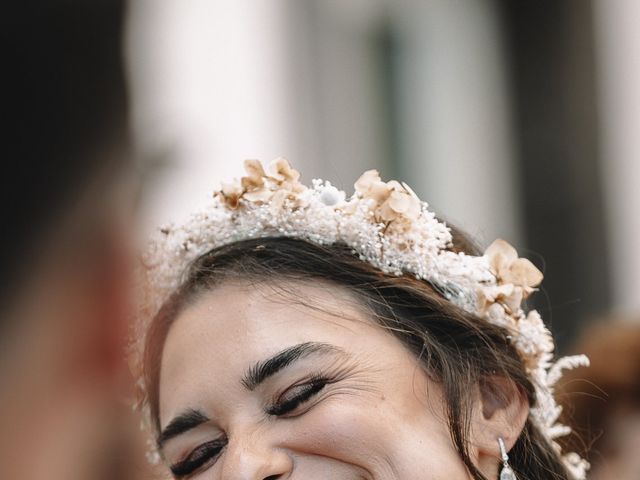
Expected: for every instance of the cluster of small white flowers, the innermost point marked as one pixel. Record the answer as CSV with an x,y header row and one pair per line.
x,y
386,225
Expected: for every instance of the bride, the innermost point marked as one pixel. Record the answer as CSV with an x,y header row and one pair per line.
x,y
290,332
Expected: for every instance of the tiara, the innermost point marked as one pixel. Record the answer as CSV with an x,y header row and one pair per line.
x,y
386,225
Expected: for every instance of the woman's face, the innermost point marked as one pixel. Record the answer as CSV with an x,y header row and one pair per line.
x,y
256,385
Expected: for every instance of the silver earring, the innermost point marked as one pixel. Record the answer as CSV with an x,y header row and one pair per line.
x,y
506,473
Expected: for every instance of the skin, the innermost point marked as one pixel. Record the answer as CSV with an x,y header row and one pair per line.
x,y
380,417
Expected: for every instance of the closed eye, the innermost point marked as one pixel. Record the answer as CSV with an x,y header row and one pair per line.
x,y
296,396
201,457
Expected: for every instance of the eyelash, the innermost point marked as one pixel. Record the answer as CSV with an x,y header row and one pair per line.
x,y
305,392
197,458
208,451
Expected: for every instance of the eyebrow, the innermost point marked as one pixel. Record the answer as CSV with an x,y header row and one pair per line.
x,y
184,422
254,376
262,370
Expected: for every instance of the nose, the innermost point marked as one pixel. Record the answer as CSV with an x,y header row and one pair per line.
x,y
255,457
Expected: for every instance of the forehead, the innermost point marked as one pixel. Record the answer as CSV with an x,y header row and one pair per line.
x,y
226,330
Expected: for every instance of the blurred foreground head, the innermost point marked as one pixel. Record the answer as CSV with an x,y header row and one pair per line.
x,y
603,402
66,205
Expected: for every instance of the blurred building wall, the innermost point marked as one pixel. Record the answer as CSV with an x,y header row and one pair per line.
x,y
618,33
556,130
454,114
209,83
337,88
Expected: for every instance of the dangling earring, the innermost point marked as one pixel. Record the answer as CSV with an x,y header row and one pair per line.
x,y
507,472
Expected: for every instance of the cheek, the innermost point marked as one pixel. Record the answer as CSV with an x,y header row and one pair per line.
x,y
376,438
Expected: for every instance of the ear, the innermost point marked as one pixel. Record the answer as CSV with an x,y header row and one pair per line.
x,y
500,411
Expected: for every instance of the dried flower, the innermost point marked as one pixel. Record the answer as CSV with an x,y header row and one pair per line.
x,y
509,269
393,201
230,193
281,171
369,185
399,203
507,295
255,175
258,187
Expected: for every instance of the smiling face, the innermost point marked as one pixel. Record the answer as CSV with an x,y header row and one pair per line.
x,y
255,385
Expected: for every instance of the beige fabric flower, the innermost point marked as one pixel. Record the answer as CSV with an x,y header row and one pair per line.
x,y
262,195
285,179
399,203
277,187
507,295
230,193
255,189
509,269
516,279
280,171
255,175
370,186
393,200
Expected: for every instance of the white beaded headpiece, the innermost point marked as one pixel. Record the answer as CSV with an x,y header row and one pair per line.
x,y
387,225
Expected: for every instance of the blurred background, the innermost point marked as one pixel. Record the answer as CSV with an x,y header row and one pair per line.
x,y
513,119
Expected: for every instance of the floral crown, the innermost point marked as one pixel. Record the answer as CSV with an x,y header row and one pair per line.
x,y
387,225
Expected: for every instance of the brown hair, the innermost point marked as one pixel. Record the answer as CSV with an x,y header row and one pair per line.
x,y
458,350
